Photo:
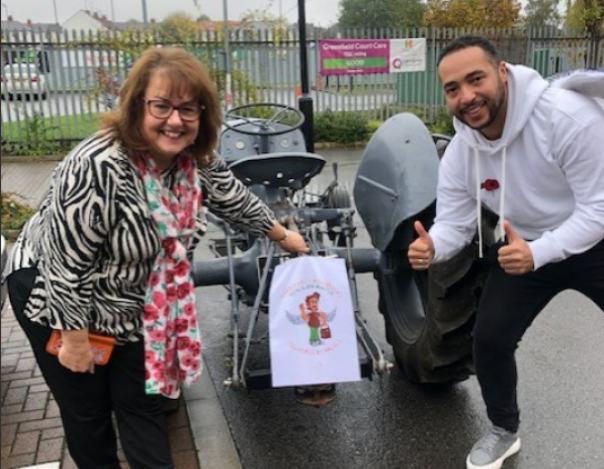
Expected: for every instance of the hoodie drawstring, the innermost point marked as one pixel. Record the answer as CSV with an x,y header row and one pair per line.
x,y
502,197
478,201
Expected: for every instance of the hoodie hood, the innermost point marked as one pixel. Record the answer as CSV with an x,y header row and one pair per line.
x,y
587,82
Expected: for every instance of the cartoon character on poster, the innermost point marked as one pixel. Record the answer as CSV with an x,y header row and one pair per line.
x,y
317,321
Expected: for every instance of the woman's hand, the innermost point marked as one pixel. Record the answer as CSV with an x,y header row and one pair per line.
x,y
291,241
76,354
294,243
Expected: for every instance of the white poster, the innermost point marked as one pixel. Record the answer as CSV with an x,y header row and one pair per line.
x,y
311,323
408,55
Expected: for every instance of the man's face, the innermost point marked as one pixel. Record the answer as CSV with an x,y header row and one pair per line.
x,y
313,304
475,90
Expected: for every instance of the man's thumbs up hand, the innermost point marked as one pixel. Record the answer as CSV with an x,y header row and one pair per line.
x,y
421,231
516,257
421,251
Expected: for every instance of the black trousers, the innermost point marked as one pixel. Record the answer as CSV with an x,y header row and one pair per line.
x,y
87,401
508,306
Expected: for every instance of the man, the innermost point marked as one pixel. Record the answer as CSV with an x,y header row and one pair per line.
x,y
314,318
534,155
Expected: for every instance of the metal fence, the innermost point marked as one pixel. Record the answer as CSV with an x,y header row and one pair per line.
x,y
83,71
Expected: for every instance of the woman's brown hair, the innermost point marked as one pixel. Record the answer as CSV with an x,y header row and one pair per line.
x,y
185,73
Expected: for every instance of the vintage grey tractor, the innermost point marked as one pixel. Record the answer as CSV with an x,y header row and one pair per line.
x,y
428,315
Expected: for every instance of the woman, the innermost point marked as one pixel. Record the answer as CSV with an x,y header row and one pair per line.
x,y
109,252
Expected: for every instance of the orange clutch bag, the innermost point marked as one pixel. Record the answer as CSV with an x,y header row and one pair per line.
x,y
102,346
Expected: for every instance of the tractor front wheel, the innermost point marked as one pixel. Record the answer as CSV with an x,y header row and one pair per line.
x,y
429,315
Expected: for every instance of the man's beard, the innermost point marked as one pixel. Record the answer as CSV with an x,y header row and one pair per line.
x,y
493,108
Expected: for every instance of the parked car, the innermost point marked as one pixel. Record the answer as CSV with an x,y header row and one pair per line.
x,y
23,81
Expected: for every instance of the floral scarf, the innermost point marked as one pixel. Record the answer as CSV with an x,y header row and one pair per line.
x,y
171,334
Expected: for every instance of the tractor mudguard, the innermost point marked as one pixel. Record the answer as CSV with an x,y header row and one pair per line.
x,y
397,177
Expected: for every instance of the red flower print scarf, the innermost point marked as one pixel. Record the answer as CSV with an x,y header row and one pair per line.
x,y
172,340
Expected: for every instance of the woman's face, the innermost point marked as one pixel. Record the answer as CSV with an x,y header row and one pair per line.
x,y
170,135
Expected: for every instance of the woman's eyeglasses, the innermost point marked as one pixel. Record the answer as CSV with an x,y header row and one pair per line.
x,y
161,109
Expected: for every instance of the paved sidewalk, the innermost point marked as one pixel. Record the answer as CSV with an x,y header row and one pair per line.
x,y
32,434
31,428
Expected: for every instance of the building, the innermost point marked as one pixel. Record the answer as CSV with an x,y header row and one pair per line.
x,y
85,20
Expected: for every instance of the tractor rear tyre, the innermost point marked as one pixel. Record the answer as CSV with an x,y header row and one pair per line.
x,y
429,315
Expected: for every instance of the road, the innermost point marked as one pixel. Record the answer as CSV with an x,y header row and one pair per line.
x,y
389,423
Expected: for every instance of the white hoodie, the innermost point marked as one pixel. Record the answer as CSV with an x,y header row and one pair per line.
x,y
549,164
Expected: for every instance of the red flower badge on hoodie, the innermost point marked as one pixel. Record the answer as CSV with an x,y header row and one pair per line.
x,y
490,185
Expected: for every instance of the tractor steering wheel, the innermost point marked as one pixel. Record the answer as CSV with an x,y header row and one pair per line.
x,y
263,127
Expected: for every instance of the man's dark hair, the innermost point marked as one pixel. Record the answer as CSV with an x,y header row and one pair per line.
x,y
464,42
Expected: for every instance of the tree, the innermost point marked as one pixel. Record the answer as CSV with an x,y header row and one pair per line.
x,y
200,16
587,15
542,13
472,13
380,14
178,28
261,21
574,16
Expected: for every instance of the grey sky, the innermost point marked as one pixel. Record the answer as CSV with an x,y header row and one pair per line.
x,y
320,12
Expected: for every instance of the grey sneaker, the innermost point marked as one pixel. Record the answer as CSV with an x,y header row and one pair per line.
x,y
493,448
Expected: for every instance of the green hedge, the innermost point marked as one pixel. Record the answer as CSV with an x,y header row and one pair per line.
x,y
341,127
351,127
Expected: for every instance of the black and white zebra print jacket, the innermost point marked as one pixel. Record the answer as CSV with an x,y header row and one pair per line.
x,y
94,242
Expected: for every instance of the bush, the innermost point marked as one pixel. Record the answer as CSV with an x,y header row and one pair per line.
x,y
36,138
341,127
14,215
443,123
374,125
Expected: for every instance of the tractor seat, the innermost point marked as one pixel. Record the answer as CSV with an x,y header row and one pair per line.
x,y
293,170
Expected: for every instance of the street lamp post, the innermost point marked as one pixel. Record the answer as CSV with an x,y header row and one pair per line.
x,y
228,98
5,10
54,5
145,19
305,101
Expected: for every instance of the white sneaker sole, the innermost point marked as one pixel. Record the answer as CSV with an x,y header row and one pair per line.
x,y
499,462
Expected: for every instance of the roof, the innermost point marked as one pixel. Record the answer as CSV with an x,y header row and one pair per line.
x,y
12,25
122,25
207,25
47,27
100,18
